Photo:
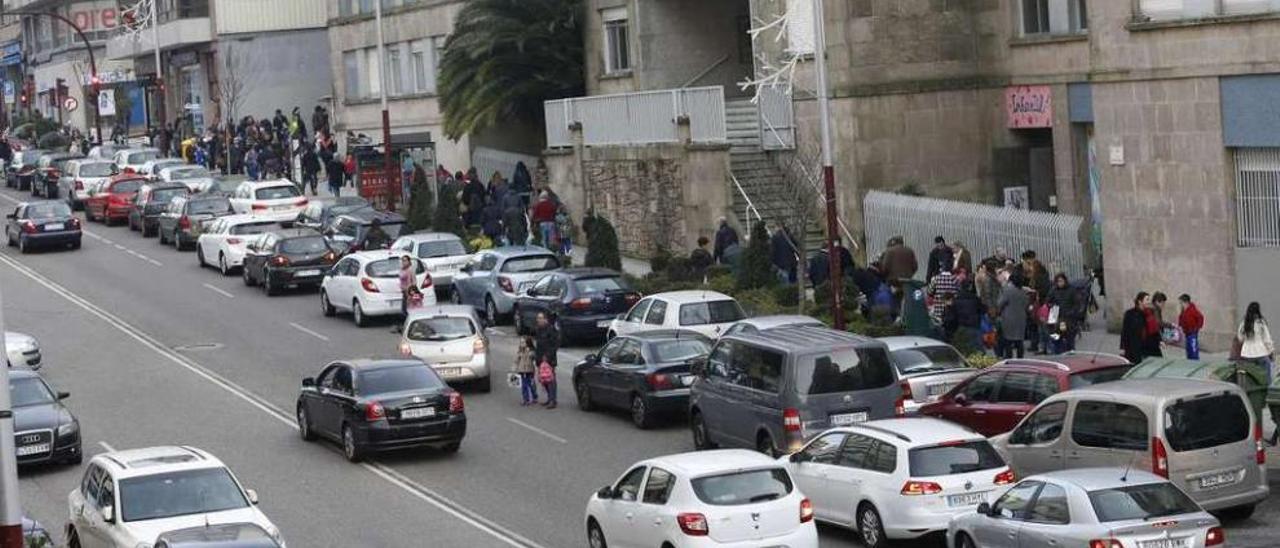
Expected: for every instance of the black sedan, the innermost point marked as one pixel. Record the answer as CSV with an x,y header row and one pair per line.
x,y
44,223
646,373
44,430
223,535
320,214
580,299
292,257
381,404
150,204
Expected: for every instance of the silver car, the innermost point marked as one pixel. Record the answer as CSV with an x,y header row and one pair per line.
x,y
442,252
493,278
22,350
751,326
930,368
451,339
1093,507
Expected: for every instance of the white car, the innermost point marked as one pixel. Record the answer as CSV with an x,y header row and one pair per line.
x,y
127,499
153,168
83,175
105,151
224,239
707,312
195,177
898,478
443,252
279,200
131,160
22,350
730,498
367,283
451,339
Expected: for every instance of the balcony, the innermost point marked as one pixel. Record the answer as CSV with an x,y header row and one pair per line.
x,y
182,23
640,118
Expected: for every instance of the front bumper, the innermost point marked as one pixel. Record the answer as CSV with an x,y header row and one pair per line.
x,y
383,435
53,238
65,449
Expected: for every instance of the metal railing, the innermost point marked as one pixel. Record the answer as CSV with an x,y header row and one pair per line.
x,y
705,71
751,207
982,228
638,118
490,160
796,167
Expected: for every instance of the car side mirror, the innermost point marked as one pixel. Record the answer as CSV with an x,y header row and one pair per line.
x,y
466,268
607,493
698,366
962,400
984,508
799,457
253,496
11,216
308,381
109,514
591,359
63,395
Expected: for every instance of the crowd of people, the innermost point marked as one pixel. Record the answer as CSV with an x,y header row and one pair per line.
x,y
502,212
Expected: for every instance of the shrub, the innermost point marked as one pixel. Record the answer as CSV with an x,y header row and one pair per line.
x,y
786,296
447,217
717,270
755,270
981,360
681,269
52,141
656,282
602,244
660,260
723,283
759,302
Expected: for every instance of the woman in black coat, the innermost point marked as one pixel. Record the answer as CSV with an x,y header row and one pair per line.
x,y
1133,332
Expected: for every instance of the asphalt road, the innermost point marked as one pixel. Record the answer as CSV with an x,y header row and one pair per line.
x,y
157,351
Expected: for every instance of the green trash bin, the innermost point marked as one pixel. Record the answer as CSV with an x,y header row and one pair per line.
x,y
1248,376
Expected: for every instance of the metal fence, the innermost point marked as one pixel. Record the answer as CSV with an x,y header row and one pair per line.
x,y
981,228
638,118
1258,196
488,160
777,119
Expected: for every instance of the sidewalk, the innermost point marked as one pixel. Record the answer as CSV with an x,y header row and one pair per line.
x,y
634,267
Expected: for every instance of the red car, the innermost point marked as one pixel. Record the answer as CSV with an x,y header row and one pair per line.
x,y
995,400
112,201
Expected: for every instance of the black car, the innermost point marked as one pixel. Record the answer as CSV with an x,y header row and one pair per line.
x,y
350,232
150,203
319,215
44,223
381,404
287,257
48,170
580,299
181,221
228,535
646,373
44,430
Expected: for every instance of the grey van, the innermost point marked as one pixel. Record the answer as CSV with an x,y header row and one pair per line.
x,y
773,389
1200,434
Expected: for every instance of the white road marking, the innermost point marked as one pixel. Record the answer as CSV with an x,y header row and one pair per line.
x,y
388,474
107,446
535,429
155,262
11,199
219,291
132,252
91,235
118,246
308,331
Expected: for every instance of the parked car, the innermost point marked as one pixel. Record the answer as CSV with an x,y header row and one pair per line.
x,y
112,201
452,340
183,220
646,373
224,186
350,232
378,404
150,202
131,160
24,167
995,399
320,214
45,431
367,284
152,168
79,176
34,534
105,151
1200,434
706,312
493,278
129,498
48,170
194,177
929,368
42,224
230,535
897,479
1093,507
22,350
577,299
716,498
1249,376
751,326
226,238
773,390
280,200
442,252
287,258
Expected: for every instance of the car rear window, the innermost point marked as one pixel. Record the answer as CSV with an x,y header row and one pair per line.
x,y
441,248
304,245
97,170
1205,422
747,487
587,286
392,230
389,268
1098,376
710,312
845,370
442,328
921,359
211,206
533,263
675,351
276,192
251,228
123,187
1130,502
953,458
396,379
164,195
48,211
136,158
189,173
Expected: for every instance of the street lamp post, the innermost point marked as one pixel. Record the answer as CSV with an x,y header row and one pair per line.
x,y
828,169
386,116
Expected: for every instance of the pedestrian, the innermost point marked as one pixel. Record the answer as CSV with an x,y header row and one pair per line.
x,y
335,172
969,313
987,285
497,188
700,259
1065,324
939,257
473,197
1012,306
1133,330
310,168
320,120
522,183
407,277
349,169
491,221
725,237
1191,321
1035,279
514,221
899,261
251,164
1255,340
546,345
564,230
524,368
782,254
941,286
962,264
544,218
1154,326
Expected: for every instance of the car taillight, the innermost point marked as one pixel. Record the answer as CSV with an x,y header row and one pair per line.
x,y
79,185
913,487
694,525
791,419
129,170
1159,458
632,298
505,283
1006,477
427,282
259,207
28,227
1105,543
329,257
1216,537
806,511
405,349
374,411
234,241
478,346
184,222
900,406
455,403
301,202
659,381
279,260
74,222
1260,450
369,286
580,304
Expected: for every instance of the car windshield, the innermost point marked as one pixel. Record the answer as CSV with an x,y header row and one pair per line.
x,y
710,312
844,370
532,263
29,391
141,157
398,379
920,359
189,173
276,192
953,458
55,210
1204,422
211,206
442,328
392,230
440,248
389,268
165,194
681,350
588,286
126,187
746,487
1151,500
304,245
179,494
97,169
1098,376
251,228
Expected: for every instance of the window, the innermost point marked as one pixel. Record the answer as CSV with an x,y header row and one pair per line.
x,y
981,388
629,354
1013,505
1144,502
845,370
710,312
423,60
867,453
825,449
395,71
1205,422
1098,376
1051,506
1046,17
1257,197
1016,387
617,48
1109,425
189,492
657,313
679,350
393,379
107,493
738,488
718,360
629,486
373,72
1035,16
89,485
1044,387
1043,426
1163,10
658,489
756,368
342,380
800,39
351,74
637,313
953,458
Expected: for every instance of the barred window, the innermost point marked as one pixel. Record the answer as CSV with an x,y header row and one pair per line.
x,y
1258,196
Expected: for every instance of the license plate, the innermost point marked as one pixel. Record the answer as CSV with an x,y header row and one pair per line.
x,y
1183,542
845,419
1219,480
33,449
282,207
54,226
418,413
450,372
308,273
938,389
604,324
967,499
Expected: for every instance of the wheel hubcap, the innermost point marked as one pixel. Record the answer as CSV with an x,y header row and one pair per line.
x,y
637,409
870,528
222,264
348,443
597,539
584,395
302,421
493,312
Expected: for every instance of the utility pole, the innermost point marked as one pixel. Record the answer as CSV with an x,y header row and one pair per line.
x,y
828,169
160,88
10,505
386,116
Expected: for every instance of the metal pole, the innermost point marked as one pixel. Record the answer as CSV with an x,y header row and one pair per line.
x,y
386,116
10,505
160,88
828,170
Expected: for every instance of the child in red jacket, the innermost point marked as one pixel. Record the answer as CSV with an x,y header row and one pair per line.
x,y
1191,321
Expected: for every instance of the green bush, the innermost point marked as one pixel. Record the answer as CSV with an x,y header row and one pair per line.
x,y
659,283
660,260
981,360
447,217
786,296
602,243
723,283
759,302
822,297
755,270
717,270
53,141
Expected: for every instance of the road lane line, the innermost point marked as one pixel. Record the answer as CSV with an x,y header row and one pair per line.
x,y
118,246
12,200
413,488
309,332
91,235
155,262
218,291
132,252
537,430
107,446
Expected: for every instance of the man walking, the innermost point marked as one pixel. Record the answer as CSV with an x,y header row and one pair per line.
x,y
1191,321
726,236
1012,308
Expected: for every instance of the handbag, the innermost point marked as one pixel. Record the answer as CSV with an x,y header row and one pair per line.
x,y
546,375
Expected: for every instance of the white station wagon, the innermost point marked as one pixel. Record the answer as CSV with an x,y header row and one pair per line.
x,y
707,312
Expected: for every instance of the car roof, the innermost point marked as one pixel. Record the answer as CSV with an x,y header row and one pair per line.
x,y
431,236
519,251
899,343
91,161
377,255
1151,389
691,296
366,364
41,202
805,339
162,185
444,310
366,216
917,431
244,218
1071,362
156,460
781,320
296,232
1092,479
703,463
578,273
667,335
264,184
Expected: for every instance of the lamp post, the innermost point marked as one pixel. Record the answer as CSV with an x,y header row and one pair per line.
x,y
386,116
828,169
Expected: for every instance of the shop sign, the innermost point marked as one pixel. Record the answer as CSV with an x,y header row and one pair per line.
x,y
1029,107
91,16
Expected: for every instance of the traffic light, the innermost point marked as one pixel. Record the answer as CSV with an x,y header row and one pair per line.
x,y
23,98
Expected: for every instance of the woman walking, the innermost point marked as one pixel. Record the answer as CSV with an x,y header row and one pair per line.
x,y
524,367
1133,331
546,344
407,278
1255,339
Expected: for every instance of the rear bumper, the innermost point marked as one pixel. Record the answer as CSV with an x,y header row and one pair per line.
x,y
53,238
586,326
909,521
674,401
476,369
383,435
117,213
805,536
1252,496
294,276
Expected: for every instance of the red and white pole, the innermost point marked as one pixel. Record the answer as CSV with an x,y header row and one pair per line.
x,y
10,505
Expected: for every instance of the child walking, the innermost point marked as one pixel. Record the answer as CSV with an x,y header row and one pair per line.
x,y
524,368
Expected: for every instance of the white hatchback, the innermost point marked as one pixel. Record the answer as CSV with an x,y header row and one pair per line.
x,y
131,160
707,312
367,283
278,200
898,478
224,240
451,339
728,498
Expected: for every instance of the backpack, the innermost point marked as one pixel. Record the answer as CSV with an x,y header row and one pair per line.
x,y
546,375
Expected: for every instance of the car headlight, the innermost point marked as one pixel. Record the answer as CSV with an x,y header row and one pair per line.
x,y
68,429
275,534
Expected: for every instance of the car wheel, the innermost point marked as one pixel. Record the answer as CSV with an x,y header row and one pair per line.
x,y
200,255
765,445
304,425
595,537
963,541
248,279
451,447
485,385
325,306
222,265
1238,513
163,240
871,528
350,448
583,391
8,238
269,288
357,314
76,460
640,412
73,539
22,245
701,436
75,244
491,310
455,296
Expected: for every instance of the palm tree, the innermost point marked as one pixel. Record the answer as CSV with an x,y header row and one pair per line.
x,y
505,57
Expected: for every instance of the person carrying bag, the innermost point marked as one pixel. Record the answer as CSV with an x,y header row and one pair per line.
x,y
523,369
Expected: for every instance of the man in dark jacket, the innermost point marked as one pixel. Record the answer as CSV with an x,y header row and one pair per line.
x,y
546,343
310,168
320,120
782,253
968,311
725,236
940,259
513,220
700,259
334,171
899,261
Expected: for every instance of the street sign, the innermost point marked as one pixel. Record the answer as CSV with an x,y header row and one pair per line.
x,y
382,191
10,92
70,103
107,102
